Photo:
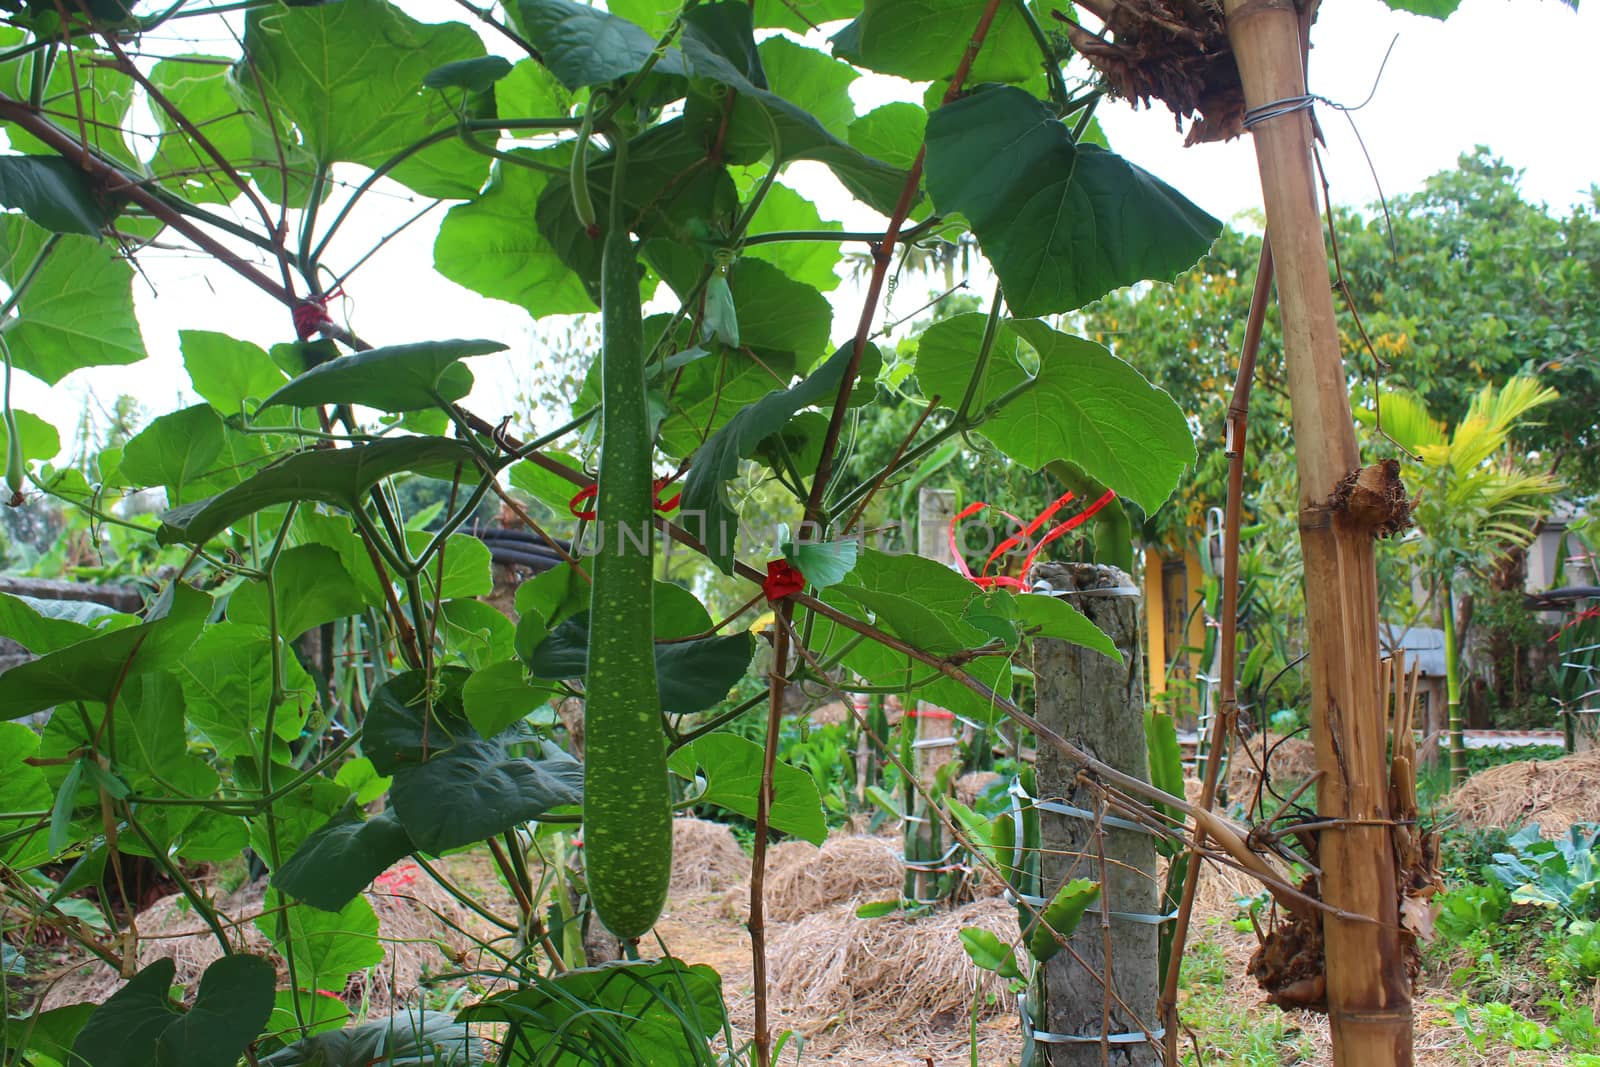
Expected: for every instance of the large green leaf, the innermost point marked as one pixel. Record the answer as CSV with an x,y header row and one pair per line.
x,y
1434,9
333,476
138,1026
78,310
52,192
23,789
882,666
203,89
499,695
123,1031
311,586
474,75
923,40
892,133
660,1013
802,15
39,438
174,451
494,247
679,203
233,1004
693,675
468,565
225,371
327,947
227,687
79,77
1063,224
342,857
585,46
761,120
395,378
806,262
408,1039
476,633
731,767
48,1033
814,82
349,76
451,786
778,314
704,490
94,669
1082,404
42,626
918,599
1054,617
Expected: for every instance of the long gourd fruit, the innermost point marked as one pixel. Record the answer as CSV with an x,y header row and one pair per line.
x,y
627,803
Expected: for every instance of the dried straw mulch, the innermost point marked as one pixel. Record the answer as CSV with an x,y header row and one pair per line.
x,y
1553,793
834,968
407,902
705,856
803,879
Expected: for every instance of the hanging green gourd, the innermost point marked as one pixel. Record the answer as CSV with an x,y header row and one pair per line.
x,y
627,802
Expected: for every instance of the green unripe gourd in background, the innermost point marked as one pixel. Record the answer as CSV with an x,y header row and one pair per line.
x,y
627,802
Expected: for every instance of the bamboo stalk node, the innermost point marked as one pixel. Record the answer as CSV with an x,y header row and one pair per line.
x,y
1374,497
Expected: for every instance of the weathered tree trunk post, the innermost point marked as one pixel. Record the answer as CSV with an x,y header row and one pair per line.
x,y
1097,704
936,741
1368,990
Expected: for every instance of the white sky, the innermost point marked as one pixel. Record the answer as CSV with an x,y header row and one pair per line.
x,y
1447,87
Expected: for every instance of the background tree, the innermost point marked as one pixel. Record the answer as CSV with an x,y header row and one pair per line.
x,y
1472,500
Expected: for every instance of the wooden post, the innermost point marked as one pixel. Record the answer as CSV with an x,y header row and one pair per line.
x,y
935,732
1097,704
1368,992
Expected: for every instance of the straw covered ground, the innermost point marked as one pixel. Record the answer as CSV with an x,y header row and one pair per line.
x,y
1553,793
881,992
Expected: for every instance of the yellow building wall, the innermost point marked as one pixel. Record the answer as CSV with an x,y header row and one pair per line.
x,y
1157,606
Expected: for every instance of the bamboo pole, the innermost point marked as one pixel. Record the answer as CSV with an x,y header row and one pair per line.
x,y
1226,716
1368,990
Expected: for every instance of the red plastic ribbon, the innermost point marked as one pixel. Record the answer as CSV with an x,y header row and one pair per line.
x,y
983,579
311,315
930,713
1582,616
783,580
589,492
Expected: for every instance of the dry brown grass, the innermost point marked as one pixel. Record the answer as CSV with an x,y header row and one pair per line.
x,y
408,905
1553,793
705,857
845,869
803,879
832,968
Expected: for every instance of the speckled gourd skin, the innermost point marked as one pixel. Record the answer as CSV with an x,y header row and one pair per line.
x,y
627,802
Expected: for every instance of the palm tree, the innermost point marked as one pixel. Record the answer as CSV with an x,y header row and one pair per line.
x,y
1472,500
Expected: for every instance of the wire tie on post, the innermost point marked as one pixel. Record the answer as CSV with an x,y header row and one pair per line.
x,y
1287,106
1045,1037
1058,808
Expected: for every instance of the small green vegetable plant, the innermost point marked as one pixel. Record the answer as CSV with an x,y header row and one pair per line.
x,y
315,681
1519,938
